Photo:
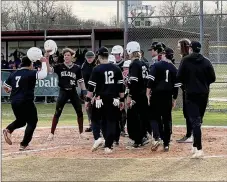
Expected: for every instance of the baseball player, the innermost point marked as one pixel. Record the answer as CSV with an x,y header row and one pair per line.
x,y
21,84
117,52
136,100
162,91
183,46
196,73
107,82
68,75
86,70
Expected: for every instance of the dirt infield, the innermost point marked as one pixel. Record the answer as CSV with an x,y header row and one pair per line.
x,y
66,144
62,159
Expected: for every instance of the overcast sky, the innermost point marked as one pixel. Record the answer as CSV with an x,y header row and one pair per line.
x,y
103,10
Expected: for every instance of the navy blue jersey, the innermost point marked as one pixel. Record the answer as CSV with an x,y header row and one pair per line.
x,y
68,75
138,74
162,78
106,81
23,83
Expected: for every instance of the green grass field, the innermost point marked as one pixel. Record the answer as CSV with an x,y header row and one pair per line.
x,y
68,118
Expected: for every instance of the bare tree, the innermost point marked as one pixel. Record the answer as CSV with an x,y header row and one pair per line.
x,y
171,11
6,9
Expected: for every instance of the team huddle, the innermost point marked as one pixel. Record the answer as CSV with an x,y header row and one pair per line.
x,y
133,94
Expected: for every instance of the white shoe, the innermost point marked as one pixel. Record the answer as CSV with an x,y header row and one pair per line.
x,y
83,136
194,150
198,154
98,143
108,150
155,145
50,137
189,140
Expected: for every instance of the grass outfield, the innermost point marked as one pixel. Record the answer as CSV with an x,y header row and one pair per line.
x,y
68,118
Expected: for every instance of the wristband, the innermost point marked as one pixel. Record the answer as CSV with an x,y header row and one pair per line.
x,y
87,99
122,99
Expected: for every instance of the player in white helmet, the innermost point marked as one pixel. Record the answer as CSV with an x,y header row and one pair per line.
x,y
111,59
117,52
136,100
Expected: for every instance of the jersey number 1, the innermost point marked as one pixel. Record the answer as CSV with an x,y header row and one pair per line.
x,y
109,77
17,79
167,75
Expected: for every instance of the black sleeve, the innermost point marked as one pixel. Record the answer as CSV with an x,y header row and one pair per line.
x,y
79,77
133,79
56,68
211,77
181,72
120,81
93,80
8,82
176,84
151,76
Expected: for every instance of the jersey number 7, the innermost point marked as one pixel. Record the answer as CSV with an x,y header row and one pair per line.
x,y
17,78
109,77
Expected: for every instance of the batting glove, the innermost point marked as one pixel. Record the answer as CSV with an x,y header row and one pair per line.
x,y
116,102
98,103
132,103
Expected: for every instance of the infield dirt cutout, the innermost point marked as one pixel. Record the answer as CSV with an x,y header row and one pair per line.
x,y
135,164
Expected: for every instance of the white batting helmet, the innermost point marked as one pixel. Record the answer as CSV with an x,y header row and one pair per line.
x,y
34,54
111,59
133,47
127,64
50,45
117,49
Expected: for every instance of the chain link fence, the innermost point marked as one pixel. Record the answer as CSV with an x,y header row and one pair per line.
x,y
170,29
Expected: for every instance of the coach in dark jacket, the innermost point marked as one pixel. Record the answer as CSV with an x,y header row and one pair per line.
x,y
86,69
196,73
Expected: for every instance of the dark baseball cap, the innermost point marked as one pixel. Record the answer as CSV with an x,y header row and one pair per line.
x,y
195,45
103,51
169,51
153,45
89,54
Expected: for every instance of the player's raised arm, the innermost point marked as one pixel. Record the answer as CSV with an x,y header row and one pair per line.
x,y
43,72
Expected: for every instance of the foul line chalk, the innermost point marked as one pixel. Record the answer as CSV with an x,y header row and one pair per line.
x,y
31,151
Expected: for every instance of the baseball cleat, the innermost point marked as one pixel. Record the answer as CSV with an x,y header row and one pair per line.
x,y
108,150
7,136
166,148
23,148
194,150
88,129
198,154
83,136
98,143
50,137
145,141
185,140
155,145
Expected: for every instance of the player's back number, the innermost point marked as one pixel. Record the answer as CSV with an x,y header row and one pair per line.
x,y
17,78
109,77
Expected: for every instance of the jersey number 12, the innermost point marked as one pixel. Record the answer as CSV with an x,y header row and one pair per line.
x,y
109,77
17,78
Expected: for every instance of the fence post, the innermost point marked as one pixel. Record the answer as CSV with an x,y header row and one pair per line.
x,y
201,26
125,25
